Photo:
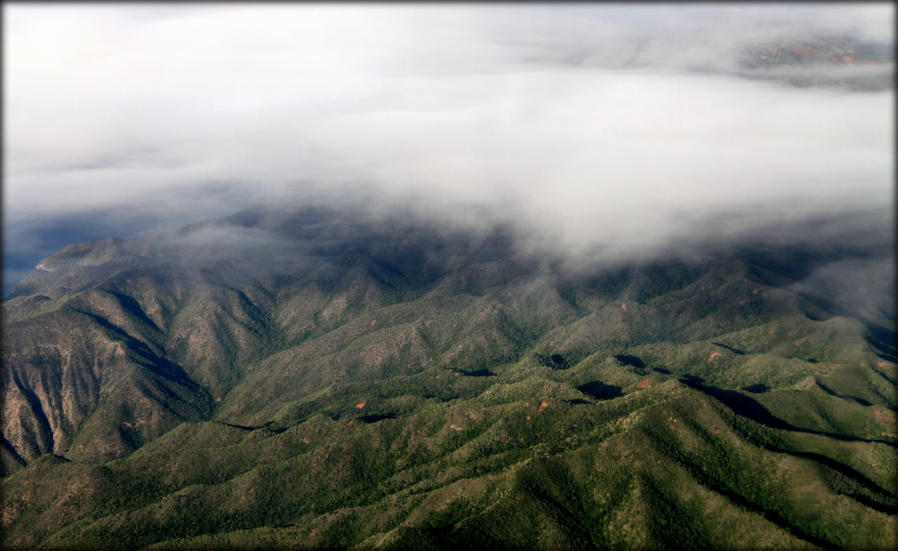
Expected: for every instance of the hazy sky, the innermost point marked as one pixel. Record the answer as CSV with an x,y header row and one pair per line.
x,y
121,117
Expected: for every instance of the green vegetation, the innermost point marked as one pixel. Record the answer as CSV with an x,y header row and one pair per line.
x,y
337,402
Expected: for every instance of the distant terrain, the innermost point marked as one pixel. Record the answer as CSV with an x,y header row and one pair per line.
x,y
321,378
824,61
821,60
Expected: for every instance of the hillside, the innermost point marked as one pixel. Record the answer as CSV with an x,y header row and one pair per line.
x,y
322,378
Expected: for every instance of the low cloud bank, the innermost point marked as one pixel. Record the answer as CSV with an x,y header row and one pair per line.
x,y
586,127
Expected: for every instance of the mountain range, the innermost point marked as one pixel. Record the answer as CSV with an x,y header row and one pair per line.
x,y
322,378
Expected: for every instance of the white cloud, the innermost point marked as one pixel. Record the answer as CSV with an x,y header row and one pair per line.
x,y
114,106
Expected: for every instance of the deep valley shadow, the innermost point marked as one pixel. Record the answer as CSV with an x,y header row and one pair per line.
x,y
375,417
555,361
600,390
627,359
730,348
882,340
477,373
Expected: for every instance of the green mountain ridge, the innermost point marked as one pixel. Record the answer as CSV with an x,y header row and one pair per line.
x,y
320,379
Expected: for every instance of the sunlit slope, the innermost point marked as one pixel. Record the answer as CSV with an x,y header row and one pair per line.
x,y
533,463
321,383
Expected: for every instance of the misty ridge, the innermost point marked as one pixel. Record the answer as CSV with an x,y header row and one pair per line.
x,y
843,262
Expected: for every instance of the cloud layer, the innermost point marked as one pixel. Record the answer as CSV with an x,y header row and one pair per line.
x,y
189,112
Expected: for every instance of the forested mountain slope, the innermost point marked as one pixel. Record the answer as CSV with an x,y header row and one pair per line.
x,y
316,377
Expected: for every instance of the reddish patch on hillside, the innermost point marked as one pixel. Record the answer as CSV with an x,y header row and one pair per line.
x,y
672,419
623,307
770,331
804,50
373,323
643,384
551,343
884,416
882,363
702,400
742,301
755,291
713,356
799,342
349,424
847,60
360,406
889,434
542,405
528,417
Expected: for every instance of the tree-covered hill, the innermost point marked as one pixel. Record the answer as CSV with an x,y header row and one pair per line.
x,y
320,379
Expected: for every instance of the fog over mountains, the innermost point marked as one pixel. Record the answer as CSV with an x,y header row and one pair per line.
x,y
617,127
